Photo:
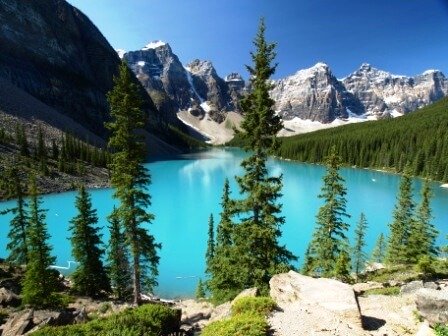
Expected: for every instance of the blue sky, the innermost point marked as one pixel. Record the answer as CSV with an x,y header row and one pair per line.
x,y
401,36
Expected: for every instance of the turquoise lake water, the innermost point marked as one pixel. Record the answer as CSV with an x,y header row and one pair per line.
x,y
185,191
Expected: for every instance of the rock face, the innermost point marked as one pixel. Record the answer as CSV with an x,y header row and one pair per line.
x,y
54,55
433,305
173,87
381,92
8,298
313,303
315,93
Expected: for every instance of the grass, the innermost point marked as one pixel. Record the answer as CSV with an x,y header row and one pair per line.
x,y
395,290
441,330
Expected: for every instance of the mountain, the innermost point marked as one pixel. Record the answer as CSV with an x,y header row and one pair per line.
x,y
195,87
315,94
53,57
419,139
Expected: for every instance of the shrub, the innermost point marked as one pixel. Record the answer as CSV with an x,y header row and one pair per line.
x,y
441,330
240,325
395,290
151,320
425,266
261,306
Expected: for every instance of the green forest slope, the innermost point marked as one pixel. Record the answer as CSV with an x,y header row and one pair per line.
x,y
419,138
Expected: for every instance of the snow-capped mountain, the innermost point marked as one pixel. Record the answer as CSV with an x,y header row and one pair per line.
x,y
195,88
381,92
315,94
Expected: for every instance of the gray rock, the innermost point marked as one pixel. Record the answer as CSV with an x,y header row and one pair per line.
x,y
432,305
8,298
19,324
328,294
250,292
411,287
431,285
80,316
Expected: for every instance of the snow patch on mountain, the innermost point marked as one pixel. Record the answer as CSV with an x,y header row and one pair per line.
x,y
120,52
154,45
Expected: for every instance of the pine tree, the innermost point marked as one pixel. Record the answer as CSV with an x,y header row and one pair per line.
x,y
257,234
118,260
330,232
90,277
379,251
225,281
359,256
40,282
423,235
342,267
130,178
200,290
307,267
18,242
400,228
210,243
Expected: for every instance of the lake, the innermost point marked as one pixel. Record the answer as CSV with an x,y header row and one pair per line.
x,y
185,191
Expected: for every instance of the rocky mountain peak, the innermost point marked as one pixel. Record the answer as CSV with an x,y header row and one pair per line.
x,y
234,77
201,68
156,44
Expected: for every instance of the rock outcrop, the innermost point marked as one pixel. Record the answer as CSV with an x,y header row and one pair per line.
x,y
432,305
314,305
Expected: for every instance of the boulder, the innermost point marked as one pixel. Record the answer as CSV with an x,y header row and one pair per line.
x,y
411,287
431,285
331,295
80,316
365,286
224,310
8,298
425,330
250,292
18,324
433,305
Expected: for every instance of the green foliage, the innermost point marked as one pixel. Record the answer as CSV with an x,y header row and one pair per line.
x,y
241,325
394,290
151,320
329,235
401,226
401,273
253,305
342,267
386,144
359,256
441,330
90,277
118,260
248,319
379,251
19,226
40,282
425,266
130,178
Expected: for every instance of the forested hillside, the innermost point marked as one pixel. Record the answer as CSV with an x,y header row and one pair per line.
x,y
419,139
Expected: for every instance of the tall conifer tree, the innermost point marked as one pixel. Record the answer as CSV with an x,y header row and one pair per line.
x,y
18,242
258,232
90,277
423,234
210,243
40,282
403,220
330,234
130,178
359,256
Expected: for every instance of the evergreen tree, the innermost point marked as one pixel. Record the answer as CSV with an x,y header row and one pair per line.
x,y
21,140
257,234
118,260
423,234
379,251
40,282
330,232
342,267
400,228
200,290
18,242
359,256
307,267
225,281
210,243
54,150
130,178
90,277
